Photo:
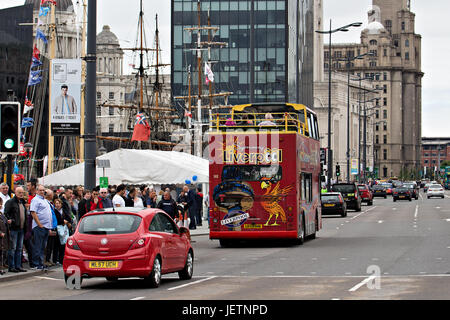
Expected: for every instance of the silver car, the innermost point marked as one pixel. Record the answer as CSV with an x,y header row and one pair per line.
x,y
435,190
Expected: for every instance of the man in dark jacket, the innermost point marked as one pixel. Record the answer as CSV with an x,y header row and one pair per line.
x,y
192,206
168,205
106,201
82,208
15,211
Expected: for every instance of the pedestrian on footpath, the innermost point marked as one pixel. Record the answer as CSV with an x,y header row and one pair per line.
x,y
42,223
4,240
31,187
199,199
52,242
192,206
152,200
82,205
119,198
15,211
104,197
58,249
168,205
129,199
4,194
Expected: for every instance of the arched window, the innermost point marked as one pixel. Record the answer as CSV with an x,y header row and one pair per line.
x,y
373,42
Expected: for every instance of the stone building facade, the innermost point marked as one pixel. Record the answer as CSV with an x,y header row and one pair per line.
x,y
396,69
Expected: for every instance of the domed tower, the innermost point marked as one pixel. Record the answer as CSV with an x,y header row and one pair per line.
x,y
109,53
66,27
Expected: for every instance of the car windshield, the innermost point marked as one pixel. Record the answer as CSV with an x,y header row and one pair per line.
x,y
387,185
330,198
343,188
109,224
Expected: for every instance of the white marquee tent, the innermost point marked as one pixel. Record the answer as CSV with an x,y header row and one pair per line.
x,y
136,167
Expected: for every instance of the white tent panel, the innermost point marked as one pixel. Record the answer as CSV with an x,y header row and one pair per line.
x,y
138,167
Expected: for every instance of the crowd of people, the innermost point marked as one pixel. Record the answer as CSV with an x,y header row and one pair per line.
x,y
36,221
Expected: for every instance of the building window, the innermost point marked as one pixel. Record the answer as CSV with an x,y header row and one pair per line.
x,y
111,128
384,101
384,139
111,96
377,140
377,115
407,43
406,55
426,161
338,54
384,154
427,154
384,114
99,95
384,127
373,42
384,172
385,76
99,111
388,25
374,53
384,88
373,64
403,25
111,111
326,55
377,75
326,65
384,52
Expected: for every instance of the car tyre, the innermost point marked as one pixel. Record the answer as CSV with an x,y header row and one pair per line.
x,y
370,203
385,197
344,214
154,279
394,199
358,209
188,269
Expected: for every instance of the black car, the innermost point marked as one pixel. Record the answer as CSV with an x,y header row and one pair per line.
x,y
379,191
333,203
350,193
401,193
413,190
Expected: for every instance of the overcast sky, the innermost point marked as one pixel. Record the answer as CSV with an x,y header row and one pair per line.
x,y
431,24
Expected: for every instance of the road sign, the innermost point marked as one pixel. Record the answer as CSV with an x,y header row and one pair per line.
x,y
104,182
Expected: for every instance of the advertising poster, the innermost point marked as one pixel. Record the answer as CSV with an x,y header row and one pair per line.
x,y
354,167
65,97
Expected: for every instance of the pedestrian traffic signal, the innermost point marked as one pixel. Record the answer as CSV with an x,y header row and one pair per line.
x,y
10,127
338,170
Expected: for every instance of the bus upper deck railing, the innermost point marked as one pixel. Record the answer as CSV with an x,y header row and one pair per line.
x,y
284,122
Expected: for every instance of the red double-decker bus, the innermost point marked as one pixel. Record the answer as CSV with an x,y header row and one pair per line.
x,y
264,173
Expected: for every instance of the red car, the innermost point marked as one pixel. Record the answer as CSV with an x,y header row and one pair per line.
x,y
366,194
128,242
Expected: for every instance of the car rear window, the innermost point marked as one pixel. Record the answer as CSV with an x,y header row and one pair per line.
x,y
330,198
435,186
109,224
362,188
343,188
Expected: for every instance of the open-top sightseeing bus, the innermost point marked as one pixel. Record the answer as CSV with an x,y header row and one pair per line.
x,y
264,173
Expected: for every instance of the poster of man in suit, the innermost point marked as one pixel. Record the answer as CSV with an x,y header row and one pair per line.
x,y
65,96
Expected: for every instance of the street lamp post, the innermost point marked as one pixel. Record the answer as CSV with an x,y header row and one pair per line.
x,y
330,32
28,147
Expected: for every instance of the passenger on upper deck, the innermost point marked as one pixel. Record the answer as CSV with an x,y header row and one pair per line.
x,y
230,122
267,122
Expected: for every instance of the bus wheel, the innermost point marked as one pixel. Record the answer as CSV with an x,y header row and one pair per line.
x,y
225,243
316,224
301,235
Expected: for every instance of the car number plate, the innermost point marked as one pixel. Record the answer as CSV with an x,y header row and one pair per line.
x,y
402,196
329,205
103,264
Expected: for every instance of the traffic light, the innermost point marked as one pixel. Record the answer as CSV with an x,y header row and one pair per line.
x,y
10,127
338,170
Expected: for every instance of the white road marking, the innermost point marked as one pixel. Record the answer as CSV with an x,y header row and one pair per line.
x,y
394,209
138,298
344,259
191,283
448,220
244,272
48,278
359,285
336,299
417,211
279,272
380,221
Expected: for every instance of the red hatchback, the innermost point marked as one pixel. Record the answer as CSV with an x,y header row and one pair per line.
x,y
366,194
128,242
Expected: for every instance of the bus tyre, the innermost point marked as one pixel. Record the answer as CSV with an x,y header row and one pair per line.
x,y
225,243
301,235
316,226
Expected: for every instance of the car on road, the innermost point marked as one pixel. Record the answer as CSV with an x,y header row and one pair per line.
x,y
435,190
379,191
366,194
413,189
388,187
427,185
333,203
401,193
128,242
350,193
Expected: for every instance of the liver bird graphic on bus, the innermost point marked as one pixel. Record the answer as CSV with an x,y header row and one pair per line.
x,y
271,198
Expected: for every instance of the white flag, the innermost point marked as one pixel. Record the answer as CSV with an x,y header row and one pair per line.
x,y
209,74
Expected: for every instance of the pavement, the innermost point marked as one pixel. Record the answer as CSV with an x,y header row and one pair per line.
x,y
10,276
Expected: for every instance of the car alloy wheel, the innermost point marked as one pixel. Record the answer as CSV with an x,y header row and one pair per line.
x,y
188,269
155,276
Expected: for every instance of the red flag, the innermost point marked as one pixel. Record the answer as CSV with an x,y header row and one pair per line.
x,y
187,114
141,130
36,52
45,1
